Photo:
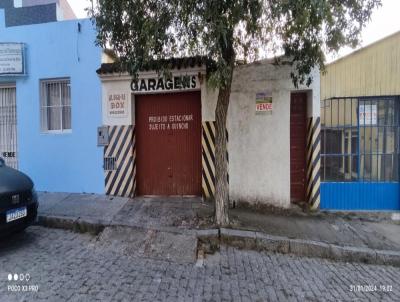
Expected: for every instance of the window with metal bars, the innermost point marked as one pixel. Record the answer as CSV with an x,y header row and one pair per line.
x,y
55,105
8,125
360,139
110,163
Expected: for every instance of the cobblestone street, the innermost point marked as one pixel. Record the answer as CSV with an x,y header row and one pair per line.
x,y
67,266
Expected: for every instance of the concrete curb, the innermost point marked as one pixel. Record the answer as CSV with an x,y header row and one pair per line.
x,y
263,242
210,240
74,224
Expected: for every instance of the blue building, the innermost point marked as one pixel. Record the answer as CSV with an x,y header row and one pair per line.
x,y
50,102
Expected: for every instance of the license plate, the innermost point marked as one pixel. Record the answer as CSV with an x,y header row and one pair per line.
x,y
15,214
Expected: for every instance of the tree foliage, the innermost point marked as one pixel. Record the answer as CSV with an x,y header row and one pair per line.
x,y
224,31
148,30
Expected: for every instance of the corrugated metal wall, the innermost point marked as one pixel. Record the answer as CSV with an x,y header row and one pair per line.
x,y
373,70
360,195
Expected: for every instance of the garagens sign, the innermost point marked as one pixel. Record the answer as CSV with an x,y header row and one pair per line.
x,y
11,59
164,84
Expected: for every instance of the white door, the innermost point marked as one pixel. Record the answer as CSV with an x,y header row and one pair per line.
x,y
8,125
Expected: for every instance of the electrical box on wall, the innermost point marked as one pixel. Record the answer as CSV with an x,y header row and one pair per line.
x,y
102,136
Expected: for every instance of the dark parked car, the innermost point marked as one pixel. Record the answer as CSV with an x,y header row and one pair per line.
x,y
18,200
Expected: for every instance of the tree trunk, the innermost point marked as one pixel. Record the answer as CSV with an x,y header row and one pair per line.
x,y
221,165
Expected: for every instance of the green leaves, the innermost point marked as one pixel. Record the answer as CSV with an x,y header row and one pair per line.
x,y
310,28
140,31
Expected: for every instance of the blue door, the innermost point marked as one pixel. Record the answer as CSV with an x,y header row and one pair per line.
x,y
360,153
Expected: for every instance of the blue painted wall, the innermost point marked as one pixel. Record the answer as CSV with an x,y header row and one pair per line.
x,y
360,195
69,162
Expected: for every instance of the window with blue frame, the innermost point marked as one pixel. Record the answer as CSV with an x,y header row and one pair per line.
x,y
360,139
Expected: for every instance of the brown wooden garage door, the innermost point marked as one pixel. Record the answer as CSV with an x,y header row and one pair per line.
x,y
298,113
168,144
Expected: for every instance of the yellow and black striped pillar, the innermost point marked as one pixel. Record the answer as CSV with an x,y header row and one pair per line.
x,y
313,162
120,162
208,159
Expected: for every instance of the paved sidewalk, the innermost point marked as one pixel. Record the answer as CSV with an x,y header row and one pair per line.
x,y
80,206
324,235
359,230
166,214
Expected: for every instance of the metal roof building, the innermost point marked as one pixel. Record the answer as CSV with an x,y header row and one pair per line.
x,y
360,129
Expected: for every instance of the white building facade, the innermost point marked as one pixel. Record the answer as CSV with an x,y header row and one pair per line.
x,y
159,134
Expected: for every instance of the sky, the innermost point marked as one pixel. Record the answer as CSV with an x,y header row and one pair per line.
x,y
78,6
384,21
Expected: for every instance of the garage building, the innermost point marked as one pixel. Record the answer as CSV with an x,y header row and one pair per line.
x,y
159,134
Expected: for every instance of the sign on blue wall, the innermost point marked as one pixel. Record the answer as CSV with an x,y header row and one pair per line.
x,y
12,59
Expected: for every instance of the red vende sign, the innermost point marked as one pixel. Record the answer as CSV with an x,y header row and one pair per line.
x,y
264,107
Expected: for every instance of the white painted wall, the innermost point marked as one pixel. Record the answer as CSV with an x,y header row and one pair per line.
x,y
117,85
259,144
